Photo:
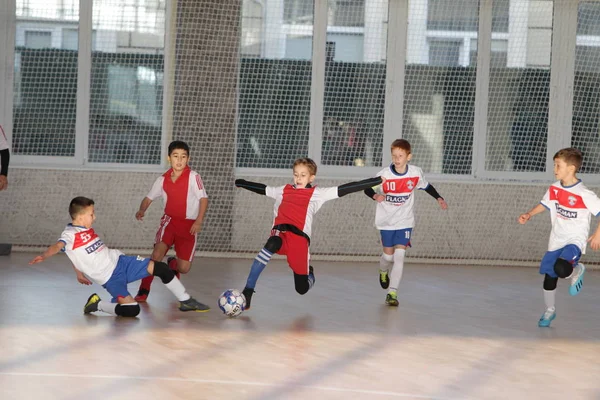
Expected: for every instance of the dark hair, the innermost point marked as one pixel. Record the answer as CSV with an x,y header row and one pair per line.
x,y
78,204
571,156
401,144
310,164
178,144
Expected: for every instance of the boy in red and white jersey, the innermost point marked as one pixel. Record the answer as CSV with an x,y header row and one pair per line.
x,y
110,268
186,201
571,206
295,206
394,216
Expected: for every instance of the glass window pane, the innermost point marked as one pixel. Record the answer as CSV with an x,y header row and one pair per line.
x,y
127,82
275,77
586,93
439,87
355,85
45,79
519,91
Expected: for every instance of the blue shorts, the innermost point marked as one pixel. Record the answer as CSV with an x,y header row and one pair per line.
x,y
570,253
400,237
129,269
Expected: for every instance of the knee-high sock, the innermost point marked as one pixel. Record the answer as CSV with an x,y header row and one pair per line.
x,y
396,274
178,290
259,264
385,262
549,297
107,307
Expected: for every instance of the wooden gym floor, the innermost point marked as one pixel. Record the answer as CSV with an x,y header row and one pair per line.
x,y
459,333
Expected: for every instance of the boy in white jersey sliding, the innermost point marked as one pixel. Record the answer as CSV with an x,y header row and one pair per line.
x,y
295,206
110,268
186,201
394,216
571,206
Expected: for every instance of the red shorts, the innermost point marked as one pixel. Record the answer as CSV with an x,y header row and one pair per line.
x,y
176,232
295,247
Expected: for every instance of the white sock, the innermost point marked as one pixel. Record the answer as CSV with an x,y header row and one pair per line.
x,y
178,289
396,274
107,307
385,261
549,297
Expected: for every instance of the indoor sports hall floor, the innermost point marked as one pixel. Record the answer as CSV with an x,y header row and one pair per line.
x,y
459,333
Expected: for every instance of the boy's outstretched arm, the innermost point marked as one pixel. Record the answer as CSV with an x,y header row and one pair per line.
x,y
50,251
523,218
365,184
434,193
259,188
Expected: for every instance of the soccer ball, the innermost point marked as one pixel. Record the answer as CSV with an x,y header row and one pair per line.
x,y
232,302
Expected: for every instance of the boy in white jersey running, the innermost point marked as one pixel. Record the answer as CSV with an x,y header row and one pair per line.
x,y
394,216
110,268
295,206
571,206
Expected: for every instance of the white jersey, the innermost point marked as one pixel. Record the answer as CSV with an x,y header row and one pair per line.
x,y
396,211
298,206
571,208
89,254
3,140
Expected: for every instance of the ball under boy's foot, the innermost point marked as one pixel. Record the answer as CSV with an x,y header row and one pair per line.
x,y
172,263
92,304
547,318
193,305
384,279
391,299
248,292
142,295
577,280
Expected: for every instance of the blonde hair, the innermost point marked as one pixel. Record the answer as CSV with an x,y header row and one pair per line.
x,y
308,162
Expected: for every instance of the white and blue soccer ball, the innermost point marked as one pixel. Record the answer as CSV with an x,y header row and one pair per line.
x,y
232,302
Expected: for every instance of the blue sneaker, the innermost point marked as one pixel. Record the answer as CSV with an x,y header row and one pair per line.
x,y
577,280
547,318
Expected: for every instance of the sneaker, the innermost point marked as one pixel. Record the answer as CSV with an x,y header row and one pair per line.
x,y
547,318
142,295
92,304
384,279
247,292
173,260
311,273
391,299
577,280
193,305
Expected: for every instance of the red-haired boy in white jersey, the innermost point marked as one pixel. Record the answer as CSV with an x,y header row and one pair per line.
x,y
186,202
394,216
108,267
571,207
295,206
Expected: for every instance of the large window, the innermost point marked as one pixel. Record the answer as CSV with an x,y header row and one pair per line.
x,y
124,71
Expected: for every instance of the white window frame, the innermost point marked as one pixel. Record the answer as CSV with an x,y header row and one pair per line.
x,y
80,159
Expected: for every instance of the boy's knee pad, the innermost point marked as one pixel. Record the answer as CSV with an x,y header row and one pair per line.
x,y
163,271
274,244
563,268
301,283
130,310
550,282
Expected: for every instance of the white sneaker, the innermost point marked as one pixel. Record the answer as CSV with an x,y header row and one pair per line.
x,y
577,279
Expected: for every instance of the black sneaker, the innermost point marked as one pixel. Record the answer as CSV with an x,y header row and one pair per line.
x,y
247,292
384,279
142,295
311,273
92,304
193,305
